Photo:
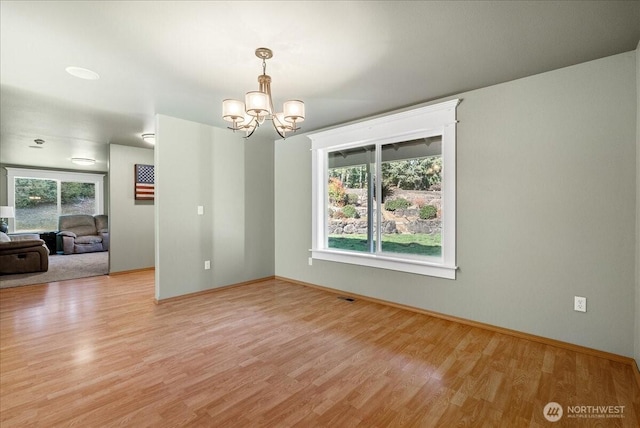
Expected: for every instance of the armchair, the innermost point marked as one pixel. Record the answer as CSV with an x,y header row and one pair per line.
x,y
83,233
102,225
23,254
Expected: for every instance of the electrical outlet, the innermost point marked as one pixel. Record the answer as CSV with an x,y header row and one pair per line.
x,y
580,304
310,261
207,264
200,210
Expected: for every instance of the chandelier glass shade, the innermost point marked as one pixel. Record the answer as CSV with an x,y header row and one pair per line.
x,y
258,106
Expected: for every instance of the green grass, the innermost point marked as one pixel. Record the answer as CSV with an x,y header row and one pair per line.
x,y
420,244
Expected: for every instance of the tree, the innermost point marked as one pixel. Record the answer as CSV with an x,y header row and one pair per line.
x,y
413,174
336,192
71,192
31,192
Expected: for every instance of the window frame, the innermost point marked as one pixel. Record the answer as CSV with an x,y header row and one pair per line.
x,y
59,176
429,121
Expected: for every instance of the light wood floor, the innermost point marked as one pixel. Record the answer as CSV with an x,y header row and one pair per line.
x,y
98,352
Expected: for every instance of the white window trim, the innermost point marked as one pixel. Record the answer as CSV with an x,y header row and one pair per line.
x,y
81,177
437,119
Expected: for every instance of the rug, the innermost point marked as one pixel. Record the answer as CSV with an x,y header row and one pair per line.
x,y
62,267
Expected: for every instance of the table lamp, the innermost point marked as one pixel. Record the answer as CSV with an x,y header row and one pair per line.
x,y
5,214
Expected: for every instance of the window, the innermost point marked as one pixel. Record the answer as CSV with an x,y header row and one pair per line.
x,y
384,192
40,197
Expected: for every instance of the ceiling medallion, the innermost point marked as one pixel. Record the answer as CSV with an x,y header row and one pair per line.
x,y
39,142
258,106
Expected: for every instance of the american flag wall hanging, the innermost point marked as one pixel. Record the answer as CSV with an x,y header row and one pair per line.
x,y
145,182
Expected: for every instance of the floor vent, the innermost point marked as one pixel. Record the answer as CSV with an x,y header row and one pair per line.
x,y
348,299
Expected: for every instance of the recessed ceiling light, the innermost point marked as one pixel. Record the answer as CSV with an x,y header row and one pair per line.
x,y
82,73
83,161
149,138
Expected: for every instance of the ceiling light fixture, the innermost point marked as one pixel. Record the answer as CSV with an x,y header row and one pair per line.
x,y
82,73
258,106
149,138
83,161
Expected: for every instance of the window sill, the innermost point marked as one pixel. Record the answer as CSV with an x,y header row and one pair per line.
x,y
418,267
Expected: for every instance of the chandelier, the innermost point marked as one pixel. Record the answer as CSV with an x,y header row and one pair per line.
x,y
258,107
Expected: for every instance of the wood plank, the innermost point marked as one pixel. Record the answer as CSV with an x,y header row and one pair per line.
x,y
100,352
483,326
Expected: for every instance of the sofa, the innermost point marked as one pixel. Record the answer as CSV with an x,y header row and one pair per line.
x,y
82,233
25,253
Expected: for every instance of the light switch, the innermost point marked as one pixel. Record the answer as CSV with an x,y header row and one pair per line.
x,y
200,210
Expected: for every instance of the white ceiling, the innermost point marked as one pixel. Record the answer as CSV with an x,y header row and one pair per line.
x,y
346,60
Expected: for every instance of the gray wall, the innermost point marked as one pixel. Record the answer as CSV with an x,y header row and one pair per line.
x,y
637,327
259,243
546,206
198,165
3,185
130,221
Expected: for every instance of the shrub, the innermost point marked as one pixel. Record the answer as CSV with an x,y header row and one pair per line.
x,y
352,199
338,215
337,193
428,212
387,190
396,204
350,211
